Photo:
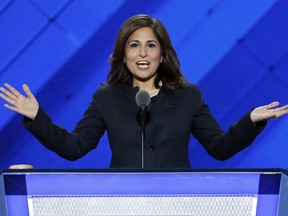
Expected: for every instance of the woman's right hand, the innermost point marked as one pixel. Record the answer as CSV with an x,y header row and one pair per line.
x,y
27,106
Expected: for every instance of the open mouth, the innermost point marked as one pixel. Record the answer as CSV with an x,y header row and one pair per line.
x,y
143,63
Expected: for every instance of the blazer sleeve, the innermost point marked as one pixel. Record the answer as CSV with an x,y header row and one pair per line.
x,y
70,145
219,144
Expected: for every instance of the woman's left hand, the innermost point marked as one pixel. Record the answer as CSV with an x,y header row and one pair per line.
x,y
269,111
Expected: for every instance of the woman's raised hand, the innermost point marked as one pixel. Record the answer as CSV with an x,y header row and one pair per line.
x,y
25,105
269,111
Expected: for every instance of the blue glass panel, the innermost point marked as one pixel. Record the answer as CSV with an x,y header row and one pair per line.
x,y
230,80
19,25
217,34
280,69
15,185
82,18
150,183
51,7
41,58
268,39
4,4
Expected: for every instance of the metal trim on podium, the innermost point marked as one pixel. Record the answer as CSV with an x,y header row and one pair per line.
x,y
144,192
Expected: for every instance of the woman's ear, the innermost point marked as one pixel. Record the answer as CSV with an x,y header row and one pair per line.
x,y
124,60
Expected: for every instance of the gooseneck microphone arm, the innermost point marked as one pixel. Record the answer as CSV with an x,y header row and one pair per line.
x,y
143,101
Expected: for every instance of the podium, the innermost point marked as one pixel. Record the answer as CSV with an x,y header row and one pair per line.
x,y
143,192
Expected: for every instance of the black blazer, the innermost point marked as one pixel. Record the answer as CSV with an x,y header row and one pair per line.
x,y
174,117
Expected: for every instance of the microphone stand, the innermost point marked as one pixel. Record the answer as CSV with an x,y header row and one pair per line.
x,y
142,136
144,118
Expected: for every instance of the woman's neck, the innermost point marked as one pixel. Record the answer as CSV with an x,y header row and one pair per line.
x,y
147,86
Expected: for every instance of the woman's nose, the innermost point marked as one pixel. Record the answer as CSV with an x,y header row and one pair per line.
x,y
143,52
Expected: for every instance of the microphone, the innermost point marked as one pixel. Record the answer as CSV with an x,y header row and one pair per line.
x,y
143,101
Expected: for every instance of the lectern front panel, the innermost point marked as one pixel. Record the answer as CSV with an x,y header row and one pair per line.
x,y
142,193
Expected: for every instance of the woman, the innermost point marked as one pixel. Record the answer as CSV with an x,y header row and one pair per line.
x,y
143,59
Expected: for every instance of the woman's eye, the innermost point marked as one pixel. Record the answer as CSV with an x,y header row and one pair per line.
x,y
151,45
133,45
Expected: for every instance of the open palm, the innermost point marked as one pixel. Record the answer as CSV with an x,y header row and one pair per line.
x,y
269,111
25,105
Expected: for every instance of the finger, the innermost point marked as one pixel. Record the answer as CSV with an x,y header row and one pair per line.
x,y
27,91
7,93
12,89
282,108
285,107
2,96
8,98
11,107
281,112
272,105
2,90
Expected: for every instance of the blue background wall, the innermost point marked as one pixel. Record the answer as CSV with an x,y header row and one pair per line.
x,y
236,51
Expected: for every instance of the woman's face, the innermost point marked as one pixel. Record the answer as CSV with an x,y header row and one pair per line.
x,y
143,55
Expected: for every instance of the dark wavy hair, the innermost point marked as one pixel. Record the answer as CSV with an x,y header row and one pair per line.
x,y
169,70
